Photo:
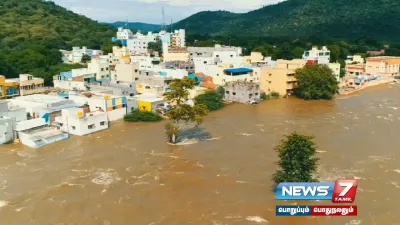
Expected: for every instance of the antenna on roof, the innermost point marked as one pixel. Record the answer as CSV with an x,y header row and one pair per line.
x,y
171,25
163,19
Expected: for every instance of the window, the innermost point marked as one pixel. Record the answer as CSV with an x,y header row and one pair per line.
x,y
136,71
73,128
227,92
102,123
102,69
107,68
114,107
256,94
91,126
231,56
217,55
250,95
234,93
136,78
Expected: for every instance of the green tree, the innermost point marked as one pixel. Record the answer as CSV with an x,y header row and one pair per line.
x,y
86,58
298,52
335,52
297,159
155,46
316,82
212,99
182,114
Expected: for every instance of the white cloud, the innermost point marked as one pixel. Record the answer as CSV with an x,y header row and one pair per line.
x,y
150,10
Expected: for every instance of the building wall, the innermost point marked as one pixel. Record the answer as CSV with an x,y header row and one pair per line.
x,y
127,72
100,67
335,67
18,113
387,67
321,56
69,85
116,114
281,78
7,126
242,92
90,123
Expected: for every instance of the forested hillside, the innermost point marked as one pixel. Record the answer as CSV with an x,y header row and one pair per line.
x,y
143,27
379,19
32,31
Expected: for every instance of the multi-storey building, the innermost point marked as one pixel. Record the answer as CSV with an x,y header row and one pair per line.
x,y
281,78
386,66
242,91
319,56
75,56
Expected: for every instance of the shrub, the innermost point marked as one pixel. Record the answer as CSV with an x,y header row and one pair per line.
x,y
274,95
140,116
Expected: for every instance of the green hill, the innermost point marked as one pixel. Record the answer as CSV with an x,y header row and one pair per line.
x,y
379,19
32,32
144,27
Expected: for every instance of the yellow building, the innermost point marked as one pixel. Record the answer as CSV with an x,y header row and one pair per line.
x,y
254,57
281,78
8,88
30,85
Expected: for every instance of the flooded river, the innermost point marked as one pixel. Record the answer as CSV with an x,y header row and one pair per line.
x,y
128,175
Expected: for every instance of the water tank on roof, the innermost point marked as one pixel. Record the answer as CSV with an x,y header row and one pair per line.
x,y
80,114
106,97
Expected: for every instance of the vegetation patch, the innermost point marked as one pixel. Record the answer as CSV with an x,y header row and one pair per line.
x,y
141,116
212,99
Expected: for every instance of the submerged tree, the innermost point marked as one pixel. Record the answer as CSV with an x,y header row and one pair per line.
x,y
297,159
316,82
182,113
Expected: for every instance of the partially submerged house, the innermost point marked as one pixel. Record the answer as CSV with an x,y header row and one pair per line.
x,y
36,133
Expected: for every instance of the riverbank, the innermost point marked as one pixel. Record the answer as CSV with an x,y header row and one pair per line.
x,y
368,85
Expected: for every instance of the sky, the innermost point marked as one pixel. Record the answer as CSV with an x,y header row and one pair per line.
x,y
149,11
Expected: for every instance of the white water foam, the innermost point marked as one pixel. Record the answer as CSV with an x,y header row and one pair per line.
x,y
3,203
354,222
106,178
244,134
257,219
397,170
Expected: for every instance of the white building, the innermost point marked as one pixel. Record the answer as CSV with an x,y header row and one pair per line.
x,y
315,55
335,67
8,110
100,67
124,34
139,42
355,59
178,39
118,88
75,56
36,103
120,51
114,106
75,121
145,61
126,71
36,133
7,126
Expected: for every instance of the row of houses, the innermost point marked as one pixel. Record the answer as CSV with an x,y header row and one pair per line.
x,y
26,84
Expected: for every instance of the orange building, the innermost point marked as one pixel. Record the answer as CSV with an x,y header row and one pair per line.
x,y
8,88
385,66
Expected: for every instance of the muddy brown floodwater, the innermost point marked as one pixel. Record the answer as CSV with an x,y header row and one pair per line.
x,y
128,175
